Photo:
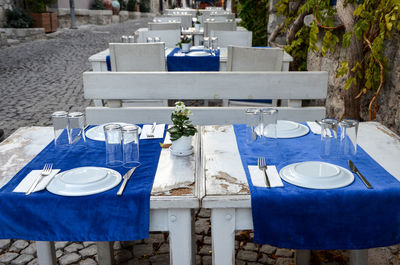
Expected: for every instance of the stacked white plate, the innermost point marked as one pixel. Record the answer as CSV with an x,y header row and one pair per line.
x,y
317,175
287,129
198,53
84,181
97,133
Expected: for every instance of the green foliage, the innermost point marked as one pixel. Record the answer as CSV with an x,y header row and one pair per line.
x,y
123,5
184,39
131,5
145,6
298,48
98,5
254,15
18,18
38,6
182,124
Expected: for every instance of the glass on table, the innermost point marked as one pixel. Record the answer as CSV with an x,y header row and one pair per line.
x,y
253,122
124,39
131,39
130,146
157,39
348,138
206,43
214,43
60,126
149,40
269,118
113,139
329,144
76,127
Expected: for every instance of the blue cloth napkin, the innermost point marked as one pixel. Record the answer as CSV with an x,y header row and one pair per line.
x,y
192,63
108,62
352,217
43,216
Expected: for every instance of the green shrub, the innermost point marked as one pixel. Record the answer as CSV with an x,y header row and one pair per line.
x,y
98,5
39,6
254,15
144,6
123,5
131,5
18,18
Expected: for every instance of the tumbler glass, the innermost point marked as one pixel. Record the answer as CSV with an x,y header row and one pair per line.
x,y
76,130
214,43
124,39
269,118
130,145
113,135
329,144
149,40
60,125
131,39
253,125
157,39
206,42
348,138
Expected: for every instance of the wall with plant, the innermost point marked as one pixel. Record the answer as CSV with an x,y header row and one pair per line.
x,y
18,18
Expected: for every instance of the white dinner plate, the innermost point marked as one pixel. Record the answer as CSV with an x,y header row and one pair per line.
x,y
287,129
97,133
83,181
317,175
198,53
196,48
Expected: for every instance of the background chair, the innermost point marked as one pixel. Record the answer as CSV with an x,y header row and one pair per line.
x,y
169,37
236,38
170,19
164,25
225,26
186,20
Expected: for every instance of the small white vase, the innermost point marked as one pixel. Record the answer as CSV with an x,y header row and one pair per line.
x,y
197,27
185,47
182,144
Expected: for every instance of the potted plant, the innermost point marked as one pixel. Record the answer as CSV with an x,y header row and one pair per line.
x,y
182,130
42,18
197,25
185,42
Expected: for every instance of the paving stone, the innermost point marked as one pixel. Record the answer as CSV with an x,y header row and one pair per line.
x,y
35,261
205,250
142,250
164,249
88,243
284,252
122,255
268,249
60,244
69,259
5,243
30,250
59,253
207,260
117,245
265,259
89,251
254,263
154,238
250,246
204,213
240,262
127,243
198,259
8,257
88,262
284,261
207,240
74,247
18,245
202,226
160,259
247,255
136,261
22,259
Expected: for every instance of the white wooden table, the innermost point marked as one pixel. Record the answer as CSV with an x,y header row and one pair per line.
x,y
173,197
227,191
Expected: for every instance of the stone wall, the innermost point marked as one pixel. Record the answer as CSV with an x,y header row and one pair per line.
x,y
4,4
389,98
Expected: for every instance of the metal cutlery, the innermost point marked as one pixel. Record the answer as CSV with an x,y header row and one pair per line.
x,y
126,177
151,133
262,165
318,122
45,172
354,169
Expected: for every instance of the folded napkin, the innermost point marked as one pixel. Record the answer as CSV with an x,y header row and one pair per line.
x,y
27,182
158,131
258,177
315,127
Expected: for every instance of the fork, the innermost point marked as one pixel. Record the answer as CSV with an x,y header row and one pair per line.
x,y
151,133
45,172
262,165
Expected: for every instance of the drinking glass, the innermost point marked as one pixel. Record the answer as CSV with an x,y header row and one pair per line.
x,y
113,135
149,40
253,128
130,145
60,125
269,118
206,42
76,130
124,39
329,130
348,138
131,39
214,43
157,39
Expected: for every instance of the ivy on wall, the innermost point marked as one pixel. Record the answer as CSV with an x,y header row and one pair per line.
x,y
254,15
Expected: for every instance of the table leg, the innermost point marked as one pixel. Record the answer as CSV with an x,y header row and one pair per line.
x,y
302,257
223,236
105,253
180,236
46,252
359,257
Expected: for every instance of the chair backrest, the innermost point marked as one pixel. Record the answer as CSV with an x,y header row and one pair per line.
x,y
201,85
169,37
217,19
170,19
164,25
186,20
224,14
225,26
237,38
137,56
254,59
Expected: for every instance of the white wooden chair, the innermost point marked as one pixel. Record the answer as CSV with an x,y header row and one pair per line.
x,y
164,25
236,38
224,14
169,19
217,19
169,37
225,26
186,20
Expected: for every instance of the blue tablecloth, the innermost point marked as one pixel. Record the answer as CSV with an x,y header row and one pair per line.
x,y
192,63
43,216
108,62
352,217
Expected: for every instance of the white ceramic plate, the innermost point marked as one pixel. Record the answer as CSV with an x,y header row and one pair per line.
x,y
198,53
288,129
83,181
196,48
97,133
317,175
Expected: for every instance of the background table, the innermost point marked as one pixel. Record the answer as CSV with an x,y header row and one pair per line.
x,y
227,192
173,197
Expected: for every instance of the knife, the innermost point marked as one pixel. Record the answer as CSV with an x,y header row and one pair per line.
x,y
354,169
126,178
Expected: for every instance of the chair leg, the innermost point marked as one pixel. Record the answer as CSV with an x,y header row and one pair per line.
x,y
105,253
46,252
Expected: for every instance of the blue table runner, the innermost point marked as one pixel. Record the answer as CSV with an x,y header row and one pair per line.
x,y
192,63
352,217
43,216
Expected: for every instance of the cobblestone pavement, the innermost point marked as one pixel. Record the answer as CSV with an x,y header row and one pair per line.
x,y
40,77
